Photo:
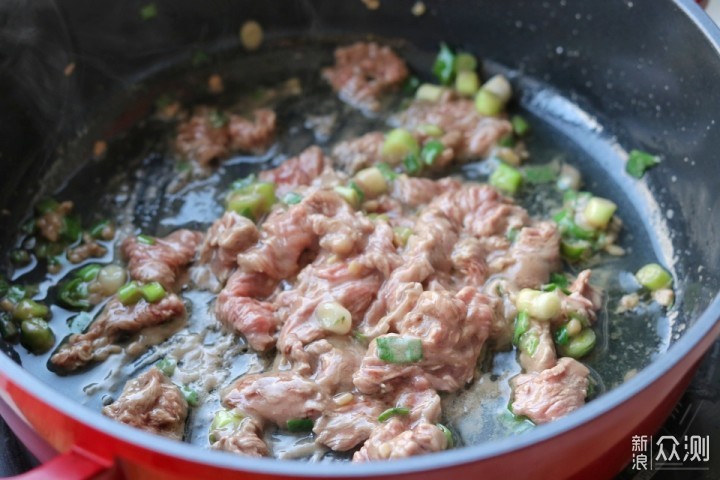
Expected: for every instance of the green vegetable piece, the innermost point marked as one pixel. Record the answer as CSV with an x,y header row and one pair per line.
x,y
166,366
4,287
559,279
148,11
46,205
539,174
529,343
399,349
97,230
16,293
79,322
520,126
467,83
36,335
348,194
20,257
362,339
448,435
26,309
225,420
568,227
430,151
71,229
246,204
145,239
266,191
444,66
74,294
561,335
298,425
512,234
386,171
508,141
579,345
89,272
153,292
639,162
465,62
8,329
506,178
598,212
653,277
191,396
398,144
393,412
130,293
358,190
488,104
522,324
412,164
217,118
292,198
430,130
411,85
574,250
430,92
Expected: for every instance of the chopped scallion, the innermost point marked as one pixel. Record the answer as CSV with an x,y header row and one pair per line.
x,y
520,126
292,198
129,293
145,239
444,66
393,412
639,162
580,345
653,277
153,292
412,164
506,178
166,366
465,62
191,396
561,335
488,104
430,151
298,425
448,435
522,324
394,349
74,294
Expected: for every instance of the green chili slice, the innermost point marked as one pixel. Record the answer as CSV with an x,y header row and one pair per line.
x,y
393,412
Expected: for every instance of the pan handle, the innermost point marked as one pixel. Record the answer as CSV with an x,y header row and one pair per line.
x,y
73,465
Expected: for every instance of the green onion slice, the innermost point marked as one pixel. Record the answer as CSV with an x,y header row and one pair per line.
x,y
297,425
399,349
639,162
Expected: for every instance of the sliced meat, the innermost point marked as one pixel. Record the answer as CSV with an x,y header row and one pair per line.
x,y
392,440
252,136
552,393
584,300
363,72
358,153
343,427
332,364
544,356
414,192
453,331
115,321
164,259
201,139
227,237
237,309
151,402
468,259
296,171
466,132
535,254
246,439
277,397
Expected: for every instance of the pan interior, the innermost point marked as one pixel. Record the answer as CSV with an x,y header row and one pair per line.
x,y
137,184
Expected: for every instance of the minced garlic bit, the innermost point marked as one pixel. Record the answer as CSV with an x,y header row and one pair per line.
x,y
418,9
99,149
343,398
627,302
215,84
69,69
664,296
251,35
372,4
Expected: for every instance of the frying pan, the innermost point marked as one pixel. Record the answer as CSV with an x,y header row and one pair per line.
x,y
625,74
